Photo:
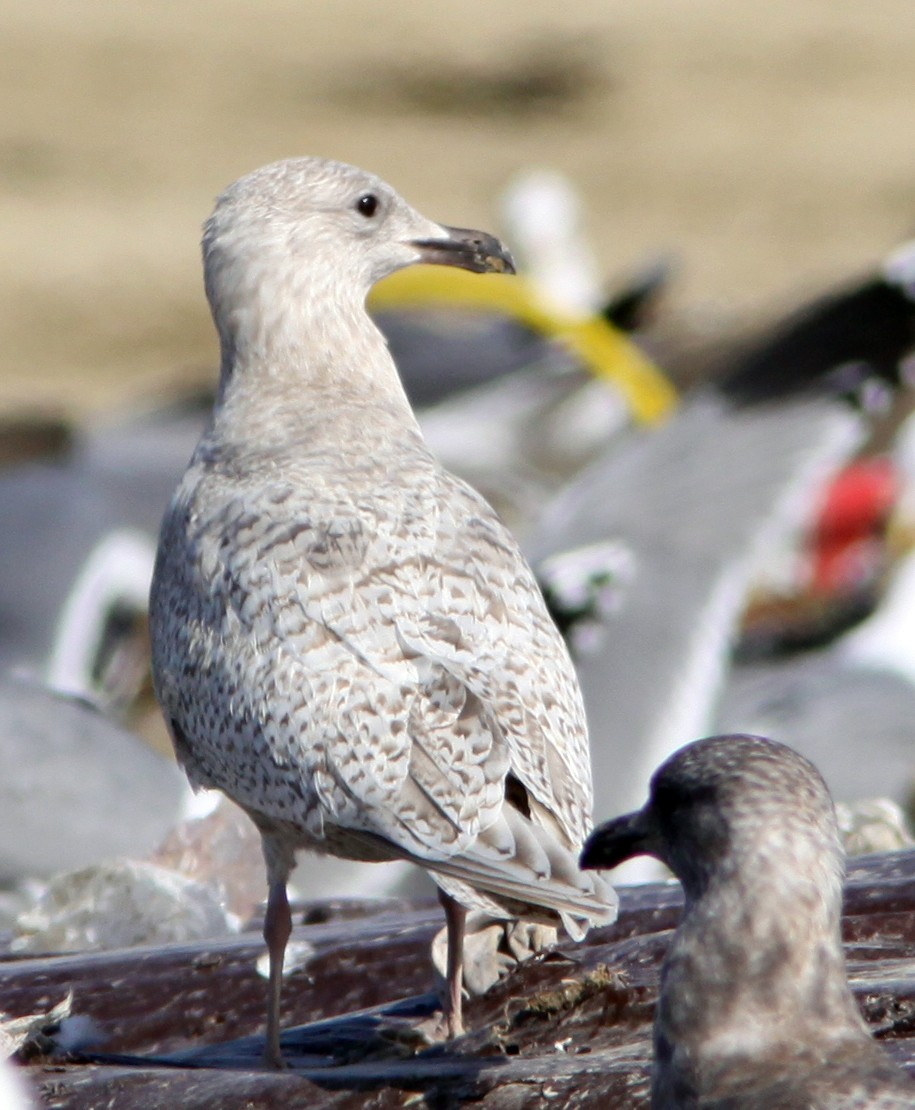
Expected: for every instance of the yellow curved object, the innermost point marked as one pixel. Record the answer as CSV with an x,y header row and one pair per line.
x,y
603,349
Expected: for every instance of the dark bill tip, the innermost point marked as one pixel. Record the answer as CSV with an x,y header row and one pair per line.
x,y
614,842
470,250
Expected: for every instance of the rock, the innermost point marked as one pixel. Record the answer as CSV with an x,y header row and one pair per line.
x,y
120,904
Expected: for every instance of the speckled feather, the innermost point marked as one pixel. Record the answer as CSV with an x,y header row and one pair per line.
x,y
347,641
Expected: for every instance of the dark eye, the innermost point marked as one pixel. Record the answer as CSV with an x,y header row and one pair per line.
x,y
367,204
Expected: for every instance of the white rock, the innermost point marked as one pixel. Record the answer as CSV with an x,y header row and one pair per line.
x,y
120,904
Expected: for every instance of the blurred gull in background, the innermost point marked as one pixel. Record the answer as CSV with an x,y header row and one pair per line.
x,y
699,504
76,787
542,219
77,549
853,697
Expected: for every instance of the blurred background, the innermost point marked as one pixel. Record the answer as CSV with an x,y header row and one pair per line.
x,y
769,150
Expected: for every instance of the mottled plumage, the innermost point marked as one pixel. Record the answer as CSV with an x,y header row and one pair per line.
x,y
346,640
755,1010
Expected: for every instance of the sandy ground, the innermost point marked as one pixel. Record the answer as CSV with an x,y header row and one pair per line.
x,y
771,146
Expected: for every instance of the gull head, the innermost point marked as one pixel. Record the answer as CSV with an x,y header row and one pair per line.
x,y
310,237
726,808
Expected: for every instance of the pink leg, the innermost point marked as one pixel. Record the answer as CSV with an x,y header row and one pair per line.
x,y
277,927
455,916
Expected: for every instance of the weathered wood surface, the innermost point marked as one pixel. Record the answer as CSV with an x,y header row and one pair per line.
x,y
570,1029
155,1000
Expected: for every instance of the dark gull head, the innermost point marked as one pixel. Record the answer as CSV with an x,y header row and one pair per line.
x,y
755,1008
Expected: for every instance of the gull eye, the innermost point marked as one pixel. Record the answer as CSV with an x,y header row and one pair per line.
x,y
367,205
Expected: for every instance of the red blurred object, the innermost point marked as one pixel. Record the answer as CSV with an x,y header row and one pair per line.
x,y
847,547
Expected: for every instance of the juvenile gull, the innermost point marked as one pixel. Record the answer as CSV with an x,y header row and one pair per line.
x,y
346,640
755,1010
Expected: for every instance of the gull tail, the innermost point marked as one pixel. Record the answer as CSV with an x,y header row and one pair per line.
x,y
521,870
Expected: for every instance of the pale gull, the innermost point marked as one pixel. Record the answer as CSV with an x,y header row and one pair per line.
x,y
346,640
755,1010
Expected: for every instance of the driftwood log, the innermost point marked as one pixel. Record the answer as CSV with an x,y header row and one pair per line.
x,y
571,1028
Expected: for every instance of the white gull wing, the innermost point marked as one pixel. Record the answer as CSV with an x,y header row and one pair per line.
x,y
698,504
